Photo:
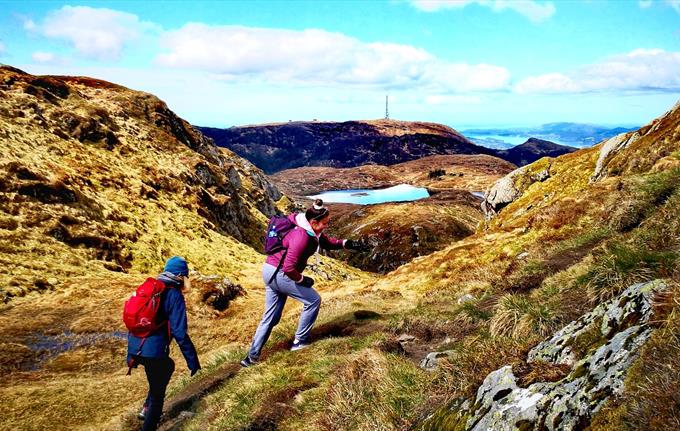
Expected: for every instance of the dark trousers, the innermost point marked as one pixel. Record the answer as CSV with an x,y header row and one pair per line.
x,y
158,373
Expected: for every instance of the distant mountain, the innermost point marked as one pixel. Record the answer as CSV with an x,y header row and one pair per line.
x,y
275,147
573,134
532,150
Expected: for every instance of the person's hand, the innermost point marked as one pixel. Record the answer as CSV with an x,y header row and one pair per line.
x,y
360,245
194,371
307,281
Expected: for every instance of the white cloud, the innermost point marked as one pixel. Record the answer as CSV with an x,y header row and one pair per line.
x,y
675,4
29,25
97,33
2,48
647,70
318,57
47,58
535,11
644,4
452,99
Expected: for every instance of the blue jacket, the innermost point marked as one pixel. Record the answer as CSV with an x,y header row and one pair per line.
x,y
157,345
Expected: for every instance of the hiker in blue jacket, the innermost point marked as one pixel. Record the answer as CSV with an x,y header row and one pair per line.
x,y
153,353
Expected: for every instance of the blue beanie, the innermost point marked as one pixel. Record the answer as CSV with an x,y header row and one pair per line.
x,y
176,265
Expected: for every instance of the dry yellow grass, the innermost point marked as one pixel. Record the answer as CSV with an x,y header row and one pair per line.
x,y
352,377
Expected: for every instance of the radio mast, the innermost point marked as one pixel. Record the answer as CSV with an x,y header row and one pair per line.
x,y
387,111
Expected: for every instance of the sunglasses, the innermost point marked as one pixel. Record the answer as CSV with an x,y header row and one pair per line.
x,y
323,214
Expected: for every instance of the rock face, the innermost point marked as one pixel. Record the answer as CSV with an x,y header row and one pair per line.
x,y
662,133
599,347
511,186
611,147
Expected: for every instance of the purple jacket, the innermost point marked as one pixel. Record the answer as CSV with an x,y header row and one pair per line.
x,y
301,243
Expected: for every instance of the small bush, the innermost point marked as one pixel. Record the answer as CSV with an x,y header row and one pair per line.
x,y
373,392
620,265
470,312
518,317
436,173
562,213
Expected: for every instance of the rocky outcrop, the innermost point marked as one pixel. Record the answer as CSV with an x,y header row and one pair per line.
x,y
611,147
599,347
513,185
658,140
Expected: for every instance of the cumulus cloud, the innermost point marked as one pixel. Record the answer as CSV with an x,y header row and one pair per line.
x,y
648,70
97,33
47,58
318,57
535,11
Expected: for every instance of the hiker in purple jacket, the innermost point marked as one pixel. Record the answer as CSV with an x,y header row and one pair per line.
x,y
282,275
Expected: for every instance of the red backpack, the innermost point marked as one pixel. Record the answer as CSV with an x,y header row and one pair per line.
x,y
140,313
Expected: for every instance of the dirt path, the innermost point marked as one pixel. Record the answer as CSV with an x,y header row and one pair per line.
x,y
184,405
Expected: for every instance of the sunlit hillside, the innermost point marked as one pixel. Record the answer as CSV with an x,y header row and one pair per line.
x,y
102,183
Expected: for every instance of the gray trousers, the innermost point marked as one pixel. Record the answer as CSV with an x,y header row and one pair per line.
x,y
275,297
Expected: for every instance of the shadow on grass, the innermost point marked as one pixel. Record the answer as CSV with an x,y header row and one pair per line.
x,y
359,322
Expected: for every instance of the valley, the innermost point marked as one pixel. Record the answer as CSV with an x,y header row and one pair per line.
x,y
101,183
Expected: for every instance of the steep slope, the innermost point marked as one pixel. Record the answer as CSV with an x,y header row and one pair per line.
x,y
575,234
560,247
110,179
99,185
276,147
532,150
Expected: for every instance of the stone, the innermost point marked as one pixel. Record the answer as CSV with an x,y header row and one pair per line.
x,y
465,298
431,361
510,187
609,149
405,338
617,329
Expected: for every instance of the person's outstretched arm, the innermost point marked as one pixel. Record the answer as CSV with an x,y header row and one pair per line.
x,y
329,243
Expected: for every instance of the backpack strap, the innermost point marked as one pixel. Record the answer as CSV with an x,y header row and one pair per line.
x,y
132,360
278,267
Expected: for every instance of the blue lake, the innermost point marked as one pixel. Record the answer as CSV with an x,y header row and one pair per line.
x,y
400,193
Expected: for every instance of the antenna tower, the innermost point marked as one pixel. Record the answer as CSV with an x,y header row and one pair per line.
x,y
387,111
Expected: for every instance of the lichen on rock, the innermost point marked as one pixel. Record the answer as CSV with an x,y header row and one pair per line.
x,y
609,337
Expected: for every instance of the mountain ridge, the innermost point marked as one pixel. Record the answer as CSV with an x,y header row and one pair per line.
x,y
346,144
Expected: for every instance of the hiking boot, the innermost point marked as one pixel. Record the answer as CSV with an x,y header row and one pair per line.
x,y
142,414
298,345
247,362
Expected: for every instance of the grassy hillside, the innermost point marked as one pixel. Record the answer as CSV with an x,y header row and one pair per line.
x,y
100,184
564,245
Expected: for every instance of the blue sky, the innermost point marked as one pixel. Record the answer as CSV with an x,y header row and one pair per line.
x,y
467,63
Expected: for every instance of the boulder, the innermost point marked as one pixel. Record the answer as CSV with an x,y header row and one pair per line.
x,y
600,347
513,185
431,360
611,147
